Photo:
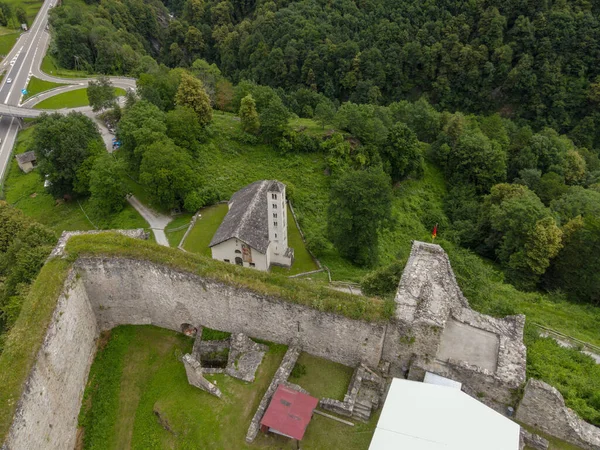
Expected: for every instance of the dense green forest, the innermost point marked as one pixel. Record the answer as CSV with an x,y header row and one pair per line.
x,y
530,60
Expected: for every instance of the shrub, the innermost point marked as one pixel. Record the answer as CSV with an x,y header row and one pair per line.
x,y
298,370
383,281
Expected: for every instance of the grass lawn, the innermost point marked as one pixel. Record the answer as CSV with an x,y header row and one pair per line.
x,y
26,192
138,397
50,67
70,99
36,86
309,126
7,41
229,164
204,229
321,377
174,237
303,262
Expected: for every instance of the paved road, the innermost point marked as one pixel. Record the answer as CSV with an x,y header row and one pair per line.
x,y
157,221
22,62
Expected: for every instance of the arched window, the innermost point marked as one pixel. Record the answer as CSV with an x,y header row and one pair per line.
x,y
238,251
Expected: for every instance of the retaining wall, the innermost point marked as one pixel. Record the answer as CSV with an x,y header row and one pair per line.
x,y
543,407
124,291
46,417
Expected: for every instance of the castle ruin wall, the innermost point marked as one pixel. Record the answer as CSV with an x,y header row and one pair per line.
x,y
124,291
46,417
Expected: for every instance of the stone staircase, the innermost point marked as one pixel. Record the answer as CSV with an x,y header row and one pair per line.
x,y
362,410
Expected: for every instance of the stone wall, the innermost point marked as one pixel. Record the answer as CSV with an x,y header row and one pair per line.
x,y
124,291
46,417
543,407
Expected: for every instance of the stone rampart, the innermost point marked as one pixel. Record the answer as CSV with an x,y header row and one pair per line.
x,y
543,407
46,417
107,292
124,291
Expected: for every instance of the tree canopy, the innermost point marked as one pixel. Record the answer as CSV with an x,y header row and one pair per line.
x,y
360,205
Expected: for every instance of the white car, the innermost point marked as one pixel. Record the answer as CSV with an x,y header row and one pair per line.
x,y
9,80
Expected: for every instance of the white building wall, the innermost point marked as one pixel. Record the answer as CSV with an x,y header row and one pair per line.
x,y
277,220
227,251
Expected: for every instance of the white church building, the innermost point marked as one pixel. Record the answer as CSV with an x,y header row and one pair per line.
x,y
254,231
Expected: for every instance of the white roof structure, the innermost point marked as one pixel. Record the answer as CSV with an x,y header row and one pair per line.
x,y
433,378
422,416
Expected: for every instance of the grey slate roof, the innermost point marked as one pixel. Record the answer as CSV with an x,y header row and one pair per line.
x,y
247,217
26,157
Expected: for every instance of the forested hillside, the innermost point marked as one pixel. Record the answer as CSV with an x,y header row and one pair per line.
x,y
531,60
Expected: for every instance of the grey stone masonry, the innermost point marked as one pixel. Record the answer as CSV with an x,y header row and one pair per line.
x,y
59,250
197,342
195,377
532,441
245,356
360,399
543,407
280,377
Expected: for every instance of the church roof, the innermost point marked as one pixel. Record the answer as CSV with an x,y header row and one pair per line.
x,y
247,217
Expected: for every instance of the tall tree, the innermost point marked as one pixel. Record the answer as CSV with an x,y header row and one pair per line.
x,y
106,185
248,115
168,173
273,120
62,144
191,93
402,153
324,113
101,94
360,205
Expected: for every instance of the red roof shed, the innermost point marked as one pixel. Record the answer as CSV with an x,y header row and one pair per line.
x,y
289,413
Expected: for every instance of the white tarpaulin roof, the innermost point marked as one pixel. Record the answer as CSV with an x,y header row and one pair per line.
x,y
421,416
433,378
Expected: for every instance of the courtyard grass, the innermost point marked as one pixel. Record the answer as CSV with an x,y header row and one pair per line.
x,y
205,228
36,86
27,193
321,377
70,99
138,397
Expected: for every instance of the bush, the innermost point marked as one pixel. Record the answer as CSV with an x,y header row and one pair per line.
x,y
298,370
384,281
203,197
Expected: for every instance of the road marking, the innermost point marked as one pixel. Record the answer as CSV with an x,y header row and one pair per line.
x,y
34,38
28,76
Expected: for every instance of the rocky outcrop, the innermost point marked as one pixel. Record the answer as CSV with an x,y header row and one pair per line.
x,y
543,407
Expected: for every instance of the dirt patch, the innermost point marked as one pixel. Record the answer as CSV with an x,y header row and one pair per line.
x,y
79,438
103,340
162,420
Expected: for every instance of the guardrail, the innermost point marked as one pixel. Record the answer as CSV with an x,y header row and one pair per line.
x,y
571,339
